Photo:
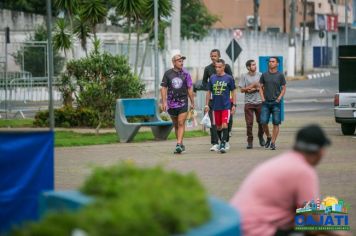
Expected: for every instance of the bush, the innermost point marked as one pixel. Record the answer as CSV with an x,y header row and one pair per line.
x,y
69,117
133,201
100,79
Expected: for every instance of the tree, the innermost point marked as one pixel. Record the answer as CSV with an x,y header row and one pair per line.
x,y
94,12
195,20
81,29
102,78
69,6
62,38
33,6
164,11
131,10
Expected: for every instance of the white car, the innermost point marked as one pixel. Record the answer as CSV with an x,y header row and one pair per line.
x,y
345,112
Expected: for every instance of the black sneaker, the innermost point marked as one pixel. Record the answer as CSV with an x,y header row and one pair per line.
x,y
262,141
183,148
222,148
178,149
273,146
268,142
249,146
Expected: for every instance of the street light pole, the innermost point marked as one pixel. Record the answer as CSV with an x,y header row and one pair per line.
x,y
50,64
303,40
156,49
291,49
255,13
346,24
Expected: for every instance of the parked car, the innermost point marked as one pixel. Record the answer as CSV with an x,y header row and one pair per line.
x,y
345,100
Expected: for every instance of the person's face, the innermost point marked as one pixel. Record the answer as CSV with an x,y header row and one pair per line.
x,y
178,64
219,67
252,67
214,56
318,156
272,63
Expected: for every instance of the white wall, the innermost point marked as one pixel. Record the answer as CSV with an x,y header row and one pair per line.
x,y
253,45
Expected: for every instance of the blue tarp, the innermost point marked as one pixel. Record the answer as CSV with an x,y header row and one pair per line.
x,y
26,169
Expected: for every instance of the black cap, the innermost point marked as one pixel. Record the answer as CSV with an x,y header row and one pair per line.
x,y
311,138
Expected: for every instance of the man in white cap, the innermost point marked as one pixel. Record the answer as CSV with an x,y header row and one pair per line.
x,y
176,87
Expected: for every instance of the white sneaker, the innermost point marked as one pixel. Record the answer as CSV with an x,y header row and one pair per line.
x,y
227,146
215,147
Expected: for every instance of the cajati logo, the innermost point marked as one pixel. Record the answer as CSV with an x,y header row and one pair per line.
x,y
327,214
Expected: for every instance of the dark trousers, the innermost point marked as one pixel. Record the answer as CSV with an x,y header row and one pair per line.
x,y
249,110
213,132
214,138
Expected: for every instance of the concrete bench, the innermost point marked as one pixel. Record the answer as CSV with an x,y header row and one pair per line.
x,y
139,107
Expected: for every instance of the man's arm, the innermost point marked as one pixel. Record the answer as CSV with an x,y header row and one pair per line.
x,y
262,89
164,98
262,92
284,88
191,97
251,88
207,99
205,78
233,93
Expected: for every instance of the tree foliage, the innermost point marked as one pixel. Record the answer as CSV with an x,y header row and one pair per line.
x,y
102,78
195,20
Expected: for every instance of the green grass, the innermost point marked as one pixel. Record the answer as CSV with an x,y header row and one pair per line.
x,y
20,123
70,138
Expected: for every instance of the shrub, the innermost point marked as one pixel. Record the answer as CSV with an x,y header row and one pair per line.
x,y
100,79
69,117
132,201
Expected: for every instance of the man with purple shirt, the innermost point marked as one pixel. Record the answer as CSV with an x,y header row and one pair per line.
x,y
176,87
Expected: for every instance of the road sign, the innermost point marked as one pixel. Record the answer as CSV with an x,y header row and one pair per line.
x,y
233,50
238,34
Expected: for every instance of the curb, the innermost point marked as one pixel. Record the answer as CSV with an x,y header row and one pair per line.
x,y
319,75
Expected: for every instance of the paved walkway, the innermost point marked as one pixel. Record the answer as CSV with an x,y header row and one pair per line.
x,y
220,173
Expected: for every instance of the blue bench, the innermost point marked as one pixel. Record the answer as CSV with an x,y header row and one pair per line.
x,y
139,107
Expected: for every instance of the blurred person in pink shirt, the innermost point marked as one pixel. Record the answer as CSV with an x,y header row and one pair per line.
x,y
271,193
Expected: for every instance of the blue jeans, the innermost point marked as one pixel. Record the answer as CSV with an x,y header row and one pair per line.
x,y
268,108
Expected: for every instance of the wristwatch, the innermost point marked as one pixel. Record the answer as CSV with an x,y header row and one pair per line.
x,y
234,105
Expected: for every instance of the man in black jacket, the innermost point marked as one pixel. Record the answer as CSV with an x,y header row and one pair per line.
x,y
208,72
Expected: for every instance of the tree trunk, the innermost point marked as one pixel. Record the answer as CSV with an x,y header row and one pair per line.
x,y
145,53
71,31
129,41
137,47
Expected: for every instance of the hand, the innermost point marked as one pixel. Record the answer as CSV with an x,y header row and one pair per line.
x,y
206,109
278,100
164,107
263,100
233,109
192,106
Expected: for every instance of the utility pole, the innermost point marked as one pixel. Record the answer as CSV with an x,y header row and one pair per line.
x,y
256,5
50,64
156,49
303,40
346,24
7,40
291,49
176,25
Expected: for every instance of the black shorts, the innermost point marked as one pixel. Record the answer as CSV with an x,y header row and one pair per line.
x,y
174,112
